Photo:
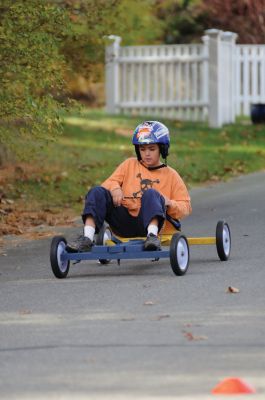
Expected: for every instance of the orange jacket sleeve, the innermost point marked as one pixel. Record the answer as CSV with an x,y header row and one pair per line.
x,y
180,199
116,179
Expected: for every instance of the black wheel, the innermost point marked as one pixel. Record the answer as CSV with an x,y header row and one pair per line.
x,y
103,235
223,240
60,268
179,254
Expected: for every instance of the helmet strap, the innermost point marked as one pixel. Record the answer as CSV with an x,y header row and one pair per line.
x,y
137,151
153,168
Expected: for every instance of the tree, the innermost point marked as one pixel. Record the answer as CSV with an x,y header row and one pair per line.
x,y
245,17
182,20
186,20
31,72
44,44
94,20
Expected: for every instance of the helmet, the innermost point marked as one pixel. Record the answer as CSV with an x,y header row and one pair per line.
x,y
150,132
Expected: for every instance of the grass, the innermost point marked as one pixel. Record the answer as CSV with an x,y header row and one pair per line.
x,y
94,143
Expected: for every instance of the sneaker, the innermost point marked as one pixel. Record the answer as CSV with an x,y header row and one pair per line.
x,y
152,243
81,244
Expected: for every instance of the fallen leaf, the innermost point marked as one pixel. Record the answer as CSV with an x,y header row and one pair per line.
x,y
159,317
148,303
128,319
189,336
223,135
9,201
232,289
24,312
3,212
192,144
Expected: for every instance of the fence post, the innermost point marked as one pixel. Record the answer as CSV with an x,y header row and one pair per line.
x,y
229,40
205,77
214,80
221,77
112,74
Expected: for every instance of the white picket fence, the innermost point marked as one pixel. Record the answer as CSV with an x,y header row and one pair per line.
x,y
163,80
216,79
250,77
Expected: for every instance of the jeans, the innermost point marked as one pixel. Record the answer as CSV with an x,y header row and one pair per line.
x,y
99,205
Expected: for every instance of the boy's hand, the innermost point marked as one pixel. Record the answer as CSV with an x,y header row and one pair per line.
x,y
167,201
117,196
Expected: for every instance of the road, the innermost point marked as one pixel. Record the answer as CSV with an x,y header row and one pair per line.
x,y
136,330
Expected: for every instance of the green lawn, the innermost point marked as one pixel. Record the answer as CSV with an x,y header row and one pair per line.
x,y
94,143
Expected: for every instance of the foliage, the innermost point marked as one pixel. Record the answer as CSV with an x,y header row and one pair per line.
x,y
94,20
245,17
186,20
182,20
44,45
140,24
31,72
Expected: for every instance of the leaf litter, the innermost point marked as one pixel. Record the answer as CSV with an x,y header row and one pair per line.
x,y
23,219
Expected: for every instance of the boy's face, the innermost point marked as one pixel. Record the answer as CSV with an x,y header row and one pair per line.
x,y
150,154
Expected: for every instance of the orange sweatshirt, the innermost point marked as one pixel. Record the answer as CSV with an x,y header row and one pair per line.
x,y
133,178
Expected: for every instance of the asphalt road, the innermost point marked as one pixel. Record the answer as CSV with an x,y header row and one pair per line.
x,y
136,330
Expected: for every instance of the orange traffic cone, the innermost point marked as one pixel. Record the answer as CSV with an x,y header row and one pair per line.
x,y
233,386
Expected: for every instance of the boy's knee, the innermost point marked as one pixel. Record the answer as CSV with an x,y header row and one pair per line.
x,y
154,198
97,191
150,193
96,202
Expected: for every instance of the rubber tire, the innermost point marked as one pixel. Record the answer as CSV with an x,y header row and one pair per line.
x,y
59,269
220,245
175,262
100,241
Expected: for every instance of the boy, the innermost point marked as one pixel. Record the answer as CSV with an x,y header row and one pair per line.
x,y
134,200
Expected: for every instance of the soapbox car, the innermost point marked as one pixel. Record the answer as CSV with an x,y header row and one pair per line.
x,y
109,247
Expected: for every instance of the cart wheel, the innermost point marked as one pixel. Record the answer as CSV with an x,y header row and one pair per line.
x,y
60,268
103,235
223,240
179,254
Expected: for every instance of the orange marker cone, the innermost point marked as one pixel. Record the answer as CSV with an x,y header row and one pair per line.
x,y
233,386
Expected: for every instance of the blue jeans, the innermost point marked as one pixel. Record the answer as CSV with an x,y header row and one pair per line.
x,y
99,205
